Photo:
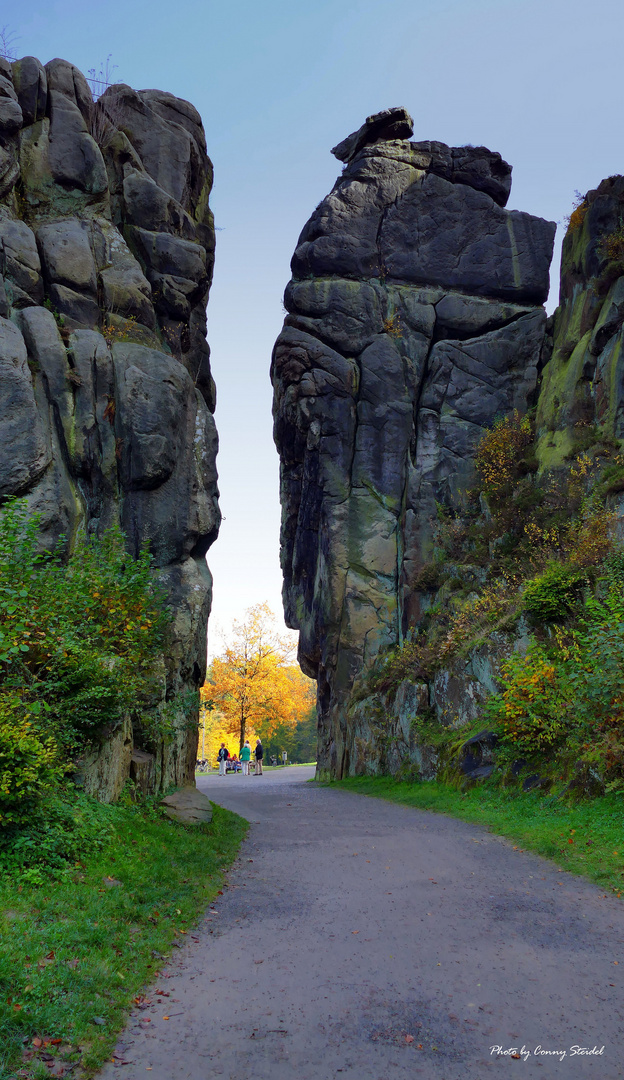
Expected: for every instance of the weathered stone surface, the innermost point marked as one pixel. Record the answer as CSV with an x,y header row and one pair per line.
x,y
413,321
583,380
383,126
20,259
105,388
24,454
75,158
10,111
66,254
142,770
188,806
31,86
69,81
104,770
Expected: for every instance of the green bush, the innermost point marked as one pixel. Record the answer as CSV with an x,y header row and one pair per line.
x,y
29,763
567,694
67,825
551,596
78,645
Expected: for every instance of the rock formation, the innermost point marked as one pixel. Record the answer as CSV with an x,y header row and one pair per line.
x,y
106,398
583,382
414,320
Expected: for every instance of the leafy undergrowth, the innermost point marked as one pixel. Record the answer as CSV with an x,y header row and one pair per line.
x,y
583,837
76,952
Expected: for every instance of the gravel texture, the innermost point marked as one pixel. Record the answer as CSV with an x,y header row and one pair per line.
x,y
359,938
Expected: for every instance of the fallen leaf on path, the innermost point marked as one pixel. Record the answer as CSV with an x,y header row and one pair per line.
x,y
355,931
409,1038
165,1017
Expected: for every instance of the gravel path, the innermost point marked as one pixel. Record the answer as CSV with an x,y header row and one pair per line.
x,y
365,940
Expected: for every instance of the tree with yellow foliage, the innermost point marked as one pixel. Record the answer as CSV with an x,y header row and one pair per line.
x,y
254,685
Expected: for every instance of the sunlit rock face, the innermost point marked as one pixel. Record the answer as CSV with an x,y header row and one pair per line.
x,y
106,403
414,320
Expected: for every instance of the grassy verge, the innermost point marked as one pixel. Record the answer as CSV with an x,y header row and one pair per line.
x,y
76,952
585,838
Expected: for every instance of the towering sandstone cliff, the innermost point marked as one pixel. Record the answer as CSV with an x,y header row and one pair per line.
x,y
106,398
414,319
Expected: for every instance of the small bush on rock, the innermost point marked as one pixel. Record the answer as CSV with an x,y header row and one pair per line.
x,y
551,596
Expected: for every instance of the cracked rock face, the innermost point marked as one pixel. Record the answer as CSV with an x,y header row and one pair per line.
x,y
106,397
414,320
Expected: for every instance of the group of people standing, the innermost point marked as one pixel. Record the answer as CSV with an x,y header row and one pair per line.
x,y
245,758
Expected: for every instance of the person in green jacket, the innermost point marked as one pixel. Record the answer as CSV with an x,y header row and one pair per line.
x,y
245,756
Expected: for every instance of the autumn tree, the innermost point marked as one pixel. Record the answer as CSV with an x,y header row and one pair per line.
x,y
254,684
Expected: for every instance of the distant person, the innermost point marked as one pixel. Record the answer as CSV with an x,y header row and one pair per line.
x,y
245,756
223,755
259,756
284,757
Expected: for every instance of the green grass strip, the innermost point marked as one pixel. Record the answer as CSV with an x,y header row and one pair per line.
x,y
74,953
584,838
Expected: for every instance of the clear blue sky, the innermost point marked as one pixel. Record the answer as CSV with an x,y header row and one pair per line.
x,y
279,83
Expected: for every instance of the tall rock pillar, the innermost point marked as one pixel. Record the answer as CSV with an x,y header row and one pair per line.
x,y
106,403
414,319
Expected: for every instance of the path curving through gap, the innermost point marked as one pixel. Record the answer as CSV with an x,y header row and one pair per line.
x,y
351,923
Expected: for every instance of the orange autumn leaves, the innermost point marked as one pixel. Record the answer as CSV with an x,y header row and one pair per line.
x,y
254,686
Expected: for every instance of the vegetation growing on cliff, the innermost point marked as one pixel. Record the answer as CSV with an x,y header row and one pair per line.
x,y
535,551
78,645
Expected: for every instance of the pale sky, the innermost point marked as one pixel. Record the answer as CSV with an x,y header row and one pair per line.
x,y
279,83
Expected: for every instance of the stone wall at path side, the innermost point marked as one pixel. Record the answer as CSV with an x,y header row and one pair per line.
x,y
415,318
106,396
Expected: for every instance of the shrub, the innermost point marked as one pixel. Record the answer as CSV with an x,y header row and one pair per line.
x,y
611,246
392,325
576,217
78,645
29,763
529,711
500,451
551,596
567,693
65,826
